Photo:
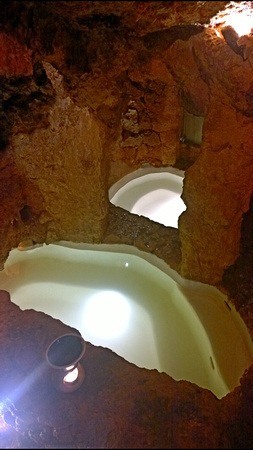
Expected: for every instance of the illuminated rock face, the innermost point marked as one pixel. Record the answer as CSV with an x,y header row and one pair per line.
x,y
86,113
218,187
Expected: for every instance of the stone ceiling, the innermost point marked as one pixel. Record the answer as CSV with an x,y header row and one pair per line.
x,y
140,17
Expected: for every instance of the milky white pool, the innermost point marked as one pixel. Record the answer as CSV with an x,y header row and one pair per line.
x,y
151,192
131,302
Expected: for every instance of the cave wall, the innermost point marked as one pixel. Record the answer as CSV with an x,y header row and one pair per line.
x,y
218,186
57,170
113,98
68,169
87,96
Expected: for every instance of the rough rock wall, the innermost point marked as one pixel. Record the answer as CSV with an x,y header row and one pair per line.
x,y
51,175
219,185
66,163
114,99
53,159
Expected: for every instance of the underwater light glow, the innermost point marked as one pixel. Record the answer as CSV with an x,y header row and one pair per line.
x,y
106,314
145,312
